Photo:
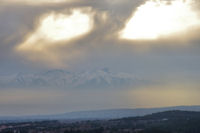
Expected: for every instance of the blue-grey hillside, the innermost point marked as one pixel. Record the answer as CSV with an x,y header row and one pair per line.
x,y
102,114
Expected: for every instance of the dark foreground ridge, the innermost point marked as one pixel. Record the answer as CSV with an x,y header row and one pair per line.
x,y
163,122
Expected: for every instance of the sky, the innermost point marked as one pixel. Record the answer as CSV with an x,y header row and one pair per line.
x,y
59,56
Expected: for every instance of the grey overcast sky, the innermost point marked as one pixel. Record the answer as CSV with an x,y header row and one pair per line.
x,y
155,41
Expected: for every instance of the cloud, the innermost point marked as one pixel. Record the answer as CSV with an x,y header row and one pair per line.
x,y
55,27
35,46
160,19
32,41
56,30
116,1
35,2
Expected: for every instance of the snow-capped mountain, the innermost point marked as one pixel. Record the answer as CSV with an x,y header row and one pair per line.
x,y
102,78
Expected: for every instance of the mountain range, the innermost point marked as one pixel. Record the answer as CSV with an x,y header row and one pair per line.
x,y
102,78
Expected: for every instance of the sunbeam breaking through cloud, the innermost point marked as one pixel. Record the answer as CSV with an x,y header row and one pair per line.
x,y
160,18
55,27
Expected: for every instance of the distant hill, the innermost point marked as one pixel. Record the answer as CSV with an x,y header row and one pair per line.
x,y
104,114
174,121
120,113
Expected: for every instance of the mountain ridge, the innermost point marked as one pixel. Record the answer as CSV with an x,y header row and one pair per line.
x,y
102,78
103,114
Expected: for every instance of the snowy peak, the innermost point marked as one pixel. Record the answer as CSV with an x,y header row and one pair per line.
x,y
102,78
